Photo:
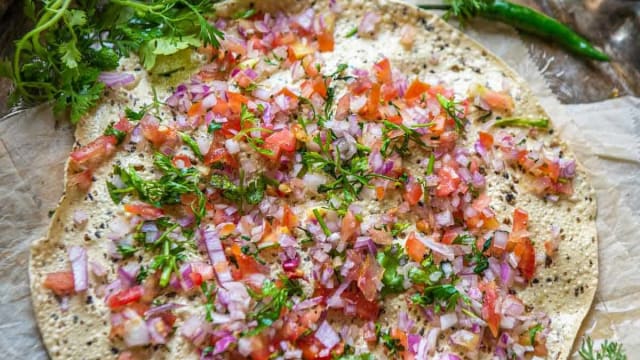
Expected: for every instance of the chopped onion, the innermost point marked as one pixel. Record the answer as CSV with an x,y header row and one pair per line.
x,y
217,256
158,310
79,266
114,79
223,344
97,269
442,249
448,320
327,336
80,217
309,303
135,330
500,239
368,24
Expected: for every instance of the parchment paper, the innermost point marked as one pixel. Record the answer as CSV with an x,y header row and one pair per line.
x,y
605,136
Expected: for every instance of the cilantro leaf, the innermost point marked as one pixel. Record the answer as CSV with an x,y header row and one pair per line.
x,y
444,296
271,301
390,259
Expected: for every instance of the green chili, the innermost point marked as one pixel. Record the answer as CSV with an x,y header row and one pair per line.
x,y
522,18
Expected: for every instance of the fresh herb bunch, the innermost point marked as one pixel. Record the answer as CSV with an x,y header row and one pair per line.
x,y
608,351
72,42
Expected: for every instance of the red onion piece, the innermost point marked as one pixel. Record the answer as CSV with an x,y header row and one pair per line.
x,y
500,239
97,269
448,320
223,344
158,310
442,249
135,330
307,304
327,335
368,24
217,256
115,79
79,266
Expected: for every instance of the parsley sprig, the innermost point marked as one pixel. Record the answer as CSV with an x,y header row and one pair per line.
x,y
72,42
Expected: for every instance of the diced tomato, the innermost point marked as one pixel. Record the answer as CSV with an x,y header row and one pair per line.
x,y
235,101
146,211
449,236
415,248
498,101
61,283
126,296
350,226
489,313
284,38
365,309
299,50
311,348
247,265
233,46
181,161
219,155
370,111
448,181
289,219
520,220
382,69
320,86
82,180
260,348
402,337
293,98
389,92
158,134
525,251
416,89
325,41
279,141
412,191
195,110
486,139
94,152
203,269
123,125
380,190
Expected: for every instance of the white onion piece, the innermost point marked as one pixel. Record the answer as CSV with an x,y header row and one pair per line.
x,y
448,320
135,330
439,248
327,335
500,239
79,266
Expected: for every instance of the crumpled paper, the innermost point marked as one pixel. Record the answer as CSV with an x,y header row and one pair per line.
x,y
605,136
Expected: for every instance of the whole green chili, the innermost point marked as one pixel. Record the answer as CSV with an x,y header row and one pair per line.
x,y
522,18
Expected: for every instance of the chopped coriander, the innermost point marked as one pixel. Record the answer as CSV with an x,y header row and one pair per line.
x,y
213,127
431,164
444,296
119,135
399,227
126,250
350,33
449,107
408,135
192,144
271,301
477,256
392,344
244,14
522,122
390,259
209,294
533,332
134,115
323,225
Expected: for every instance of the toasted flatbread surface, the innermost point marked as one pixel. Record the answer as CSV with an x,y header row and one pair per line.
x,y
564,285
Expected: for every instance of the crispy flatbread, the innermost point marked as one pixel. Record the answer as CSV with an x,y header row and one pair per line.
x,y
564,285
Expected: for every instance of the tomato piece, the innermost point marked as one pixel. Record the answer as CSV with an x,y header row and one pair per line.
x,y
146,211
181,161
203,269
448,181
289,219
402,337
320,86
123,125
284,39
95,151
371,110
527,254
260,348
350,226
489,313
247,265
195,110
412,191
82,180
382,69
126,296
415,248
520,220
486,139
389,92
158,134
220,155
365,309
416,89
283,140
235,101
61,283
311,348
325,41
498,101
